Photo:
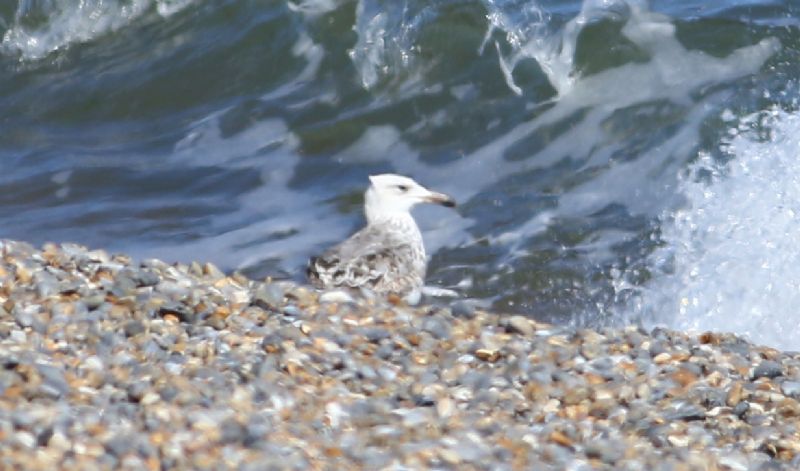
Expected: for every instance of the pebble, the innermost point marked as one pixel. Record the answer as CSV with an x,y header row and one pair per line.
x,y
791,389
438,327
463,308
767,369
521,325
268,296
195,369
686,412
335,296
133,328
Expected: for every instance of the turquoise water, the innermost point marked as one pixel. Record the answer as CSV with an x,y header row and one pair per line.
x,y
597,148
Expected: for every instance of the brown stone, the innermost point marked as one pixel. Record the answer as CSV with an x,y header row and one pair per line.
x,y
333,452
561,439
662,358
709,338
594,379
734,396
486,354
420,358
684,377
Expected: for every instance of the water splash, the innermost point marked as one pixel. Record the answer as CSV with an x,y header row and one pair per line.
x,y
730,260
389,31
41,28
530,35
387,34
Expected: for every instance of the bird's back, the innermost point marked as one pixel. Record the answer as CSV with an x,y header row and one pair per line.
x,y
382,257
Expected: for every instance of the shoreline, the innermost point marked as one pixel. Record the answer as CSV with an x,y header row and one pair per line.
x,y
107,363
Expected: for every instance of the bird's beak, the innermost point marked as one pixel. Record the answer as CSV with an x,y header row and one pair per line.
x,y
440,198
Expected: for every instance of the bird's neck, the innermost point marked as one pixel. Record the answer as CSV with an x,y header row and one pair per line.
x,y
401,221
395,218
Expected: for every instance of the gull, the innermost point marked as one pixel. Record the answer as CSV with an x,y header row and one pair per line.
x,y
386,256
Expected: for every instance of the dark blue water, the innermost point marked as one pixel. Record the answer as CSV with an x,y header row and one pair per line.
x,y
579,137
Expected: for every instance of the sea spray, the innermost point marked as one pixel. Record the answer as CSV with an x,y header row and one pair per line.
x,y
730,258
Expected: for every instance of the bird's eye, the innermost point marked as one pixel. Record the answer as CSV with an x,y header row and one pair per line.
x,y
402,187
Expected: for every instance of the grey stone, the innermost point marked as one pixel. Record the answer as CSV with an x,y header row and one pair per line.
x,y
293,311
145,278
767,369
94,301
23,419
685,411
607,451
46,284
180,310
272,341
232,431
134,327
437,327
521,325
43,436
791,389
376,334
268,296
119,445
54,378
463,308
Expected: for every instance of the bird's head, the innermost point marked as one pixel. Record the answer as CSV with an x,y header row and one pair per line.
x,y
395,194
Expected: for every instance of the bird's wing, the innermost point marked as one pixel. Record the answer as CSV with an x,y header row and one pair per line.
x,y
365,259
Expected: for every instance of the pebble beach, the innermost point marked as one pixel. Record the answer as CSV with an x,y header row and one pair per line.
x,y
112,363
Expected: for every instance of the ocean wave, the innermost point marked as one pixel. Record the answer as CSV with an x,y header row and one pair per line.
x,y
40,28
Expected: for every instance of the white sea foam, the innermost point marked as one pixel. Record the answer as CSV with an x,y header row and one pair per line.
x,y
59,24
313,8
731,260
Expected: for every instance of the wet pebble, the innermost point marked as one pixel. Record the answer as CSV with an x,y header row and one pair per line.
x,y
521,325
463,308
768,369
268,296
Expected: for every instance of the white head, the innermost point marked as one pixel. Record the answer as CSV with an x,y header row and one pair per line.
x,y
390,195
